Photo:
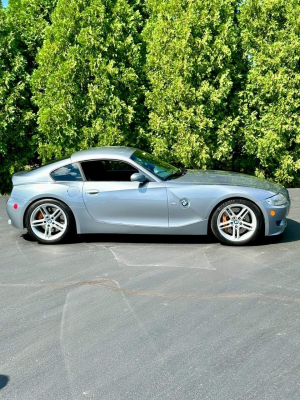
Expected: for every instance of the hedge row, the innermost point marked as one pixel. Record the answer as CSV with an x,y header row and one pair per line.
x,y
200,83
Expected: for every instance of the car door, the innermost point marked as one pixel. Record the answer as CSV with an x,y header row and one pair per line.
x,y
111,198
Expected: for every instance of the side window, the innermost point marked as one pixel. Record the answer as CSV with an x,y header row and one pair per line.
x,y
107,170
69,172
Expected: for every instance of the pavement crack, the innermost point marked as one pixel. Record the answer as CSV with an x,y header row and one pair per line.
x,y
20,250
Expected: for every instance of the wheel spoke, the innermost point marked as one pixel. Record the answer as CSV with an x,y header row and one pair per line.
x,y
58,226
233,232
44,211
38,222
229,212
242,214
47,232
247,225
57,213
225,225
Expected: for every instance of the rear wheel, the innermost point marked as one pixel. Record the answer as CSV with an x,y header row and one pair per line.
x,y
49,221
237,222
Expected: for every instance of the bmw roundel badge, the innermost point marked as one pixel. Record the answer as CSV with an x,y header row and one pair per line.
x,y
184,202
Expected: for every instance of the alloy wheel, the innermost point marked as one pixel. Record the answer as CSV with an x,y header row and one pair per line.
x,y
48,221
237,222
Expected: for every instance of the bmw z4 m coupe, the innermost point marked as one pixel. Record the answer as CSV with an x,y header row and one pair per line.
x,y
126,190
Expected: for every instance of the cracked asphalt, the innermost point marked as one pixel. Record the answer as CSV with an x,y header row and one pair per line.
x,y
150,317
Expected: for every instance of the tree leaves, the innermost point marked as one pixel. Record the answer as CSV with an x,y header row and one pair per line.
x,y
209,84
21,32
192,48
90,83
271,97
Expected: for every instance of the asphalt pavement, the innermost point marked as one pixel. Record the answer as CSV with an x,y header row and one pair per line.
x,y
150,317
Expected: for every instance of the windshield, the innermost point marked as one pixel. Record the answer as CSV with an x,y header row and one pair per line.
x,y
157,167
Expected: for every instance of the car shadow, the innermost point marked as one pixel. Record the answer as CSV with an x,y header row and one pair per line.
x,y
132,238
291,234
4,379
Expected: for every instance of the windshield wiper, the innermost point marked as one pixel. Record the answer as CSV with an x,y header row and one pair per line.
x,y
179,172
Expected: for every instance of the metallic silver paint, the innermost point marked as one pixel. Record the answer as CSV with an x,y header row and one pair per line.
x,y
211,177
153,207
105,152
127,203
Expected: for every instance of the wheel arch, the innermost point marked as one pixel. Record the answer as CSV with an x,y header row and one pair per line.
x,y
48,198
209,231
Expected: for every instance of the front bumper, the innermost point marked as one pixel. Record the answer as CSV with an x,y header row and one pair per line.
x,y
275,224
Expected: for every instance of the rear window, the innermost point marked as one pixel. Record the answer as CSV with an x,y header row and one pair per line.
x,y
69,172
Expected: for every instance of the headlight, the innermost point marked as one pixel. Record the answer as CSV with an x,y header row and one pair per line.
x,y
278,200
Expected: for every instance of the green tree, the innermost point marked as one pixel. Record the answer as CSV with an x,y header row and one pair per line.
x,y
195,68
22,27
270,31
90,82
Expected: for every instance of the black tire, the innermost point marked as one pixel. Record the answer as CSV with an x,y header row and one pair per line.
x,y
46,229
236,230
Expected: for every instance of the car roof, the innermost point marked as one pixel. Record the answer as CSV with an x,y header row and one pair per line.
x,y
110,152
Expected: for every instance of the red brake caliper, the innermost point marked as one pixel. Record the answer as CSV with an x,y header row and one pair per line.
x,y
224,219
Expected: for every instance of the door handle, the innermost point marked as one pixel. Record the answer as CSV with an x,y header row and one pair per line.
x,y
92,191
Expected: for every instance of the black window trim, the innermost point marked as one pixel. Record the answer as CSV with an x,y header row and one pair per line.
x,y
133,164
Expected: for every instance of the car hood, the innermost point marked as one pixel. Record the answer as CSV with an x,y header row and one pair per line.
x,y
211,177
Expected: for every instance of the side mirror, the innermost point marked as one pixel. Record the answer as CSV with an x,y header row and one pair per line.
x,y
137,177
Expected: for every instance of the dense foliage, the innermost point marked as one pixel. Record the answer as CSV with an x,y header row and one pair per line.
x,y
90,83
194,65
201,83
22,27
270,31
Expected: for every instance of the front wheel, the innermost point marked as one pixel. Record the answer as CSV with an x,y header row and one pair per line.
x,y
49,221
237,222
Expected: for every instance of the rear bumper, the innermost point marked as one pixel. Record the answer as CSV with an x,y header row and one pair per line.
x,y
16,215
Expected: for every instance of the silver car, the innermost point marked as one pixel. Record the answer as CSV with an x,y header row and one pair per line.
x,y
126,190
